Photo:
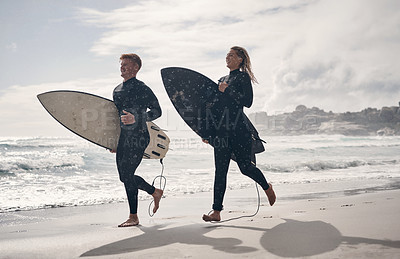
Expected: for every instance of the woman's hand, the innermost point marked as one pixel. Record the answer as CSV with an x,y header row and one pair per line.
x,y
222,86
128,118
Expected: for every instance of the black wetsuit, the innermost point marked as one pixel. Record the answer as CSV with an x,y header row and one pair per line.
x,y
231,134
137,98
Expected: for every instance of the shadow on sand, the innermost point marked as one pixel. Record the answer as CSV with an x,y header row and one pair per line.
x,y
289,239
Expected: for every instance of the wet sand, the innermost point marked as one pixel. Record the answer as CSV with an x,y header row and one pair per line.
x,y
361,225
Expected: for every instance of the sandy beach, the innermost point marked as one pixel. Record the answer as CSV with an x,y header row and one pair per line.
x,y
329,225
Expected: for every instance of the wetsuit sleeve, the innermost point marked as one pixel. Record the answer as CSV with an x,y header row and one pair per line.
x,y
154,109
244,98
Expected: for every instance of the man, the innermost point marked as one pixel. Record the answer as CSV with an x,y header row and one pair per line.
x,y
136,104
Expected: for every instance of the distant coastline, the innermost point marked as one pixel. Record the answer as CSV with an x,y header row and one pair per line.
x,y
304,120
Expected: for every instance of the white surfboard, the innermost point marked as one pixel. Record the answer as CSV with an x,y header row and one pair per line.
x,y
96,119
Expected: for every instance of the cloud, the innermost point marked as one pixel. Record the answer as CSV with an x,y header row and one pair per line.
x,y
155,27
336,55
341,57
12,47
333,54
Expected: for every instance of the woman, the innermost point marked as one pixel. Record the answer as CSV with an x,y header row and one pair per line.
x,y
231,134
136,104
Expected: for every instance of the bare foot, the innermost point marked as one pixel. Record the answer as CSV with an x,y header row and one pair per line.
x,y
157,195
215,216
271,195
133,220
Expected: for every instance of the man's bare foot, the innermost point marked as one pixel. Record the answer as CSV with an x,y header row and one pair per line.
x,y
214,216
133,220
157,195
271,195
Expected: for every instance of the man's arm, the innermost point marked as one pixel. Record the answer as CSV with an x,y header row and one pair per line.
x,y
154,109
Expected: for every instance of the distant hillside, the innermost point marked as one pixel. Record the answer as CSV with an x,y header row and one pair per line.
x,y
303,120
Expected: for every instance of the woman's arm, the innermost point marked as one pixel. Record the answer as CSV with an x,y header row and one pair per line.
x,y
244,98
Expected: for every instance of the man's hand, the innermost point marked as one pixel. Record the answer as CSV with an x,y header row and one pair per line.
x,y
128,118
205,141
222,86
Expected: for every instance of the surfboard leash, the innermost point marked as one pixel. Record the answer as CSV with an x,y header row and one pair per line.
x,y
162,186
244,216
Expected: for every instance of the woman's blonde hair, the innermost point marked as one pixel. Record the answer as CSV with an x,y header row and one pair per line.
x,y
245,66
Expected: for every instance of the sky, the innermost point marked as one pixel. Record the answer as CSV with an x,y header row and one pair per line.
x,y
338,55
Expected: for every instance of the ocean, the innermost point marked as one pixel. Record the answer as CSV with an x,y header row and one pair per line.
x,y
44,173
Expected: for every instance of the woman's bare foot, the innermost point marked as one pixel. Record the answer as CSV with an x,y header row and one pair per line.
x,y
133,220
214,216
271,195
157,195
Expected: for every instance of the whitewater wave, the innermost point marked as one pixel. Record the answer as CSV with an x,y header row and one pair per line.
x,y
38,173
324,165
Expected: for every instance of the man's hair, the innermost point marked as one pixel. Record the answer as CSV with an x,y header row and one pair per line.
x,y
135,58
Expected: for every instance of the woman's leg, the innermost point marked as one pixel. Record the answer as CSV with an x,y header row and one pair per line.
x,y
241,148
222,156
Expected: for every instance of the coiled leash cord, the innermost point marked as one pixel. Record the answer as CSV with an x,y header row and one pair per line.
x,y
162,186
244,216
